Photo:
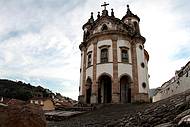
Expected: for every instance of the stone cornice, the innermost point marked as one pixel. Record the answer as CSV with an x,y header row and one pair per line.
x,y
112,35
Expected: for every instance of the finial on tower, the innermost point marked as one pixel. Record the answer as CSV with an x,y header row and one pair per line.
x,y
91,20
104,5
112,12
98,16
130,14
127,6
128,10
91,15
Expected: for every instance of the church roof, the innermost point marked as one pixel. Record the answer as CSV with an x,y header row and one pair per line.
x,y
106,23
91,22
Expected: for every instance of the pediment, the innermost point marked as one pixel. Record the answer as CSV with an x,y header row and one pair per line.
x,y
105,23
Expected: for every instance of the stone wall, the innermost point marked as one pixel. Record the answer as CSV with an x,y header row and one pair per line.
x,y
177,84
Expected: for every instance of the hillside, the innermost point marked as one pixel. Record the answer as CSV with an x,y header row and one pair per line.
x,y
21,91
24,91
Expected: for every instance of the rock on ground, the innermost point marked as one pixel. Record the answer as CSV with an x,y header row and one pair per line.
x,y
22,116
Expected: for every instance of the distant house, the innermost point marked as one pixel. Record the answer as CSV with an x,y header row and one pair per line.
x,y
1,102
63,104
46,103
8,101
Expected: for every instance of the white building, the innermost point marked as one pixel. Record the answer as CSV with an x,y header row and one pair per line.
x,y
114,63
177,84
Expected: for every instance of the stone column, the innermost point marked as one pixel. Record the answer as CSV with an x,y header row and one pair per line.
x,y
84,75
115,84
134,84
94,96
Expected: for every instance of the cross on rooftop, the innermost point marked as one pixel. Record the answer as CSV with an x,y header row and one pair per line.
x,y
104,5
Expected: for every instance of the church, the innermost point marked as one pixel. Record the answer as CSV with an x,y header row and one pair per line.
x,y
114,63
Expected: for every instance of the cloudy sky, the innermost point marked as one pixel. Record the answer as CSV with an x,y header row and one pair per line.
x,y
39,39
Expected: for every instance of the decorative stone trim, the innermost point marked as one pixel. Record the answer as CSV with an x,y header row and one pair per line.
x,y
124,48
89,66
84,73
141,97
134,85
104,63
94,84
112,63
108,35
125,63
104,46
115,84
89,52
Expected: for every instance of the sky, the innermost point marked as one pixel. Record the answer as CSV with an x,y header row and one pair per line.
x,y
39,39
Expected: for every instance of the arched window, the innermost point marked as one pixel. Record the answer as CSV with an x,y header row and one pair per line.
x,y
124,55
104,27
88,89
86,35
136,26
104,55
89,59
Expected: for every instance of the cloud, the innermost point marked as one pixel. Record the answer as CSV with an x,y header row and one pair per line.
x,y
35,46
161,26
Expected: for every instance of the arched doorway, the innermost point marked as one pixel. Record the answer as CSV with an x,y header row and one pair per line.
x,y
125,89
104,89
88,90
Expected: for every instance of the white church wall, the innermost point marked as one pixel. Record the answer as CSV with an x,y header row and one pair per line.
x,y
157,97
142,74
121,43
81,72
182,84
104,68
90,49
174,86
146,74
124,69
89,72
102,43
134,20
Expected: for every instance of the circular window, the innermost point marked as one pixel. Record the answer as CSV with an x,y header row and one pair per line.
x,y
140,46
142,65
144,85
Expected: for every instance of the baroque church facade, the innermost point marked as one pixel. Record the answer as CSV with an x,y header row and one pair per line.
x,y
114,63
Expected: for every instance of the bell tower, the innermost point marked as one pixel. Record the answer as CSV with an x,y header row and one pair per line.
x,y
114,63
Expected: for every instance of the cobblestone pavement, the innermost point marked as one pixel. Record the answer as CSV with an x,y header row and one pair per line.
x,y
171,112
104,116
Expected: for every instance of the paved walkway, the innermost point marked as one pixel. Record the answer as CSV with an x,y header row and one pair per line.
x,y
62,113
104,116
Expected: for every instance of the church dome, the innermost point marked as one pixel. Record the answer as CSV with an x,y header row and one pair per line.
x,y
106,23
